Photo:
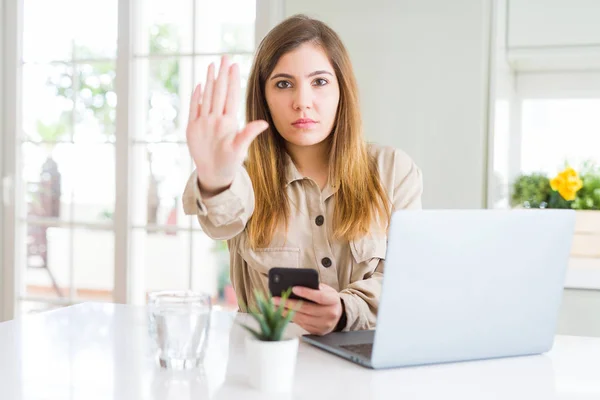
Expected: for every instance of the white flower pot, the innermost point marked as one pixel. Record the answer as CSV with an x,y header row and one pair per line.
x,y
271,365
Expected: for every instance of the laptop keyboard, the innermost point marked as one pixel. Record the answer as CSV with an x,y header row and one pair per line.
x,y
363,349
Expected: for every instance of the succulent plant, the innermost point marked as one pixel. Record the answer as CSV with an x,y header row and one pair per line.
x,y
272,319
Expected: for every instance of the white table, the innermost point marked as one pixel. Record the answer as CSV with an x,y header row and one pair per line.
x,y
102,351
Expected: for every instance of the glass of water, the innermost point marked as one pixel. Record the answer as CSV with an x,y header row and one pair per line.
x,y
179,324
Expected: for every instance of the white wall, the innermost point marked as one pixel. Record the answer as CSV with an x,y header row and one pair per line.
x,y
554,23
555,35
422,69
579,314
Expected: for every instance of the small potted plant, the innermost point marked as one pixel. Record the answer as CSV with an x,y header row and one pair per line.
x,y
271,357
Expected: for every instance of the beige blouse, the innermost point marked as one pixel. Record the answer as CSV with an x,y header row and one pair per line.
x,y
353,268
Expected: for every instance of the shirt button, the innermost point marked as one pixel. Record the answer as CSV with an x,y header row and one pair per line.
x,y
319,220
326,262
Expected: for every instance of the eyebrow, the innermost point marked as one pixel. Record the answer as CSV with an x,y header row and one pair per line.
x,y
319,72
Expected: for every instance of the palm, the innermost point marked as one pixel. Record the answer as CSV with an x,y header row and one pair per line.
x,y
213,139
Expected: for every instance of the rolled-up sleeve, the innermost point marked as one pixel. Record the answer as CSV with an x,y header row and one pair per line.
x,y
361,301
225,215
361,297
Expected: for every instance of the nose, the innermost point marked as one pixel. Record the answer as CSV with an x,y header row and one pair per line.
x,y
303,97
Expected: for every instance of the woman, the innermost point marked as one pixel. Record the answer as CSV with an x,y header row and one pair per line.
x,y
311,193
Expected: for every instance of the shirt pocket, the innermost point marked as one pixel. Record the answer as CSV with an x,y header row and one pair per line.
x,y
263,259
367,253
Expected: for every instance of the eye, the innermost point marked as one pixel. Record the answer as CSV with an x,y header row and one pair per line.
x,y
320,82
283,84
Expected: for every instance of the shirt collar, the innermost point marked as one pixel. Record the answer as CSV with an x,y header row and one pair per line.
x,y
292,174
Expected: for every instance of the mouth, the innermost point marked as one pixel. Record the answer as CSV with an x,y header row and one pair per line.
x,y
304,123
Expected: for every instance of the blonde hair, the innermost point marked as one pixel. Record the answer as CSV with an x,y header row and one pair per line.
x,y
360,198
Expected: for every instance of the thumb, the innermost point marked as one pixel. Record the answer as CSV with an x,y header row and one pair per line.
x,y
327,290
245,137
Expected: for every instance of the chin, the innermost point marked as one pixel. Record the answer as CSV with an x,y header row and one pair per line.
x,y
304,138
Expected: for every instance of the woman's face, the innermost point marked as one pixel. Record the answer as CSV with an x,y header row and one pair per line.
x,y
303,95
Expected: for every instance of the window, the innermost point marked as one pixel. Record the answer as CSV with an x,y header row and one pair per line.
x,y
174,46
67,137
73,140
559,131
545,123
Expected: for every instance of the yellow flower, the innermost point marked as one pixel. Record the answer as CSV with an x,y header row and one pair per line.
x,y
567,183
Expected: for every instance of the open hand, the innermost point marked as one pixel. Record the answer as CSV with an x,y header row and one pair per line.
x,y
216,145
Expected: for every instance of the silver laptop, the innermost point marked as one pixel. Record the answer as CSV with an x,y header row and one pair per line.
x,y
464,285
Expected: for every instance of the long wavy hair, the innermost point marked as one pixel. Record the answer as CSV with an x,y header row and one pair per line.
x,y
360,198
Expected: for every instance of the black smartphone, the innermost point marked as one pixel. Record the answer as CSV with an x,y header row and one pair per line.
x,y
280,279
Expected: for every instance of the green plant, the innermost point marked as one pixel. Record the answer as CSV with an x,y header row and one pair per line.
x,y
555,200
568,189
271,319
588,197
531,191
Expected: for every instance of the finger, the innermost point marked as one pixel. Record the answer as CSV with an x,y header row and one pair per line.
x,y
233,91
309,324
324,287
208,90
287,310
321,317
244,138
312,329
195,102
289,303
218,100
303,307
323,296
325,317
